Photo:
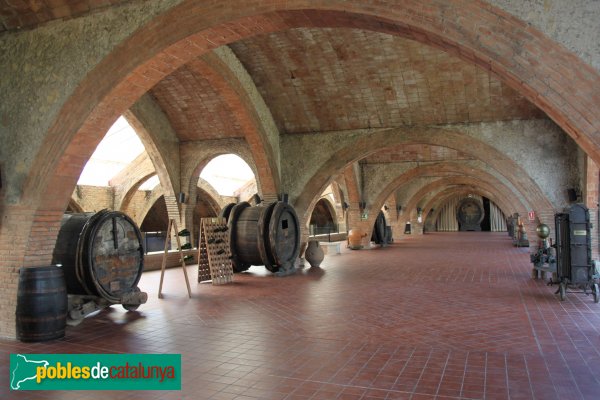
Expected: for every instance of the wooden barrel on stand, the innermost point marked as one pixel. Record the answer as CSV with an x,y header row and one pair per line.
x,y
101,255
266,235
41,304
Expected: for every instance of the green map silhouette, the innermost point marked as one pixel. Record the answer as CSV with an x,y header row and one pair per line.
x,y
24,370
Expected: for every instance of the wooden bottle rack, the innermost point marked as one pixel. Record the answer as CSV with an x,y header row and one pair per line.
x,y
214,255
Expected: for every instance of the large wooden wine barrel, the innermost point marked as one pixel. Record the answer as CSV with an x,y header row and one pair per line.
x,y
101,254
41,304
470,213
266,235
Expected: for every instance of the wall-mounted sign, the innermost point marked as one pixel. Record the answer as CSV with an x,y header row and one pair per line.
x,y
364,216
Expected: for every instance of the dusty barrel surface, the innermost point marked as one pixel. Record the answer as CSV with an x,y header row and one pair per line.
x,y
470,213
41,304
266,235
101,254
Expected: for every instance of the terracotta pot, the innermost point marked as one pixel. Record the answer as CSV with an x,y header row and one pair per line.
x,y
314,254
355,237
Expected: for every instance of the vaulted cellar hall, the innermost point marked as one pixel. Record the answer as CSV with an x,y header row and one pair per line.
x,y
305,200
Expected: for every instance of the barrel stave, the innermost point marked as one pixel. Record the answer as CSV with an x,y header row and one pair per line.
x,y
41,304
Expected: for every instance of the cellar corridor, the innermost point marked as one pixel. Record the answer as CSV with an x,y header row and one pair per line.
x,y
437,316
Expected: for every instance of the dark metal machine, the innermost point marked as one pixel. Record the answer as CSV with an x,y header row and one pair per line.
x,y
575,267
544,260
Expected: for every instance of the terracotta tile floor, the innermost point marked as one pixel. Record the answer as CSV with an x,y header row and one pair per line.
x,y
440,316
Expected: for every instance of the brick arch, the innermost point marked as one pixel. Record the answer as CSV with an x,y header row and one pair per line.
x,y
447,194
156,194
353,211
201,154
546,73
214,198
155,153
494,193
380,140
330,207
438,169
193,167
549,75
213,202
133,188
218,73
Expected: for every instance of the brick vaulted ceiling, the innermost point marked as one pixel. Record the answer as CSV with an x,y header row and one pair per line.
x,y
316,80
415,152
194,107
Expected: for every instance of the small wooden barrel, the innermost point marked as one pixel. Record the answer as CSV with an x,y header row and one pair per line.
x,y
41,304
101,254
263,235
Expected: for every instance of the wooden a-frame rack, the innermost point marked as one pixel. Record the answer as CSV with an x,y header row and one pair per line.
x,y
173,225
214,254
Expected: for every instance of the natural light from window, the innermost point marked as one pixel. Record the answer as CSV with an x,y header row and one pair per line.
x,y
119,147
150,183
227,173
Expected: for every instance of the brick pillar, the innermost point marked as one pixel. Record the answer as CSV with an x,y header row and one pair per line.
x,y
395,220
591,201
15,228
416,227
174,212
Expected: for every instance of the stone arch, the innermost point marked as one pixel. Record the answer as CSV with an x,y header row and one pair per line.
x,y
365,145
217,201
322,206
447,194
253,115
155,153
132,189
439,169
546,73
154,196
442,169
339,198
163,218
209,196
353,211
569,98
478,33
458,182
197,156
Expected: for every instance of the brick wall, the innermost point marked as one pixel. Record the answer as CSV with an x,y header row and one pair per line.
x,y
93,198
